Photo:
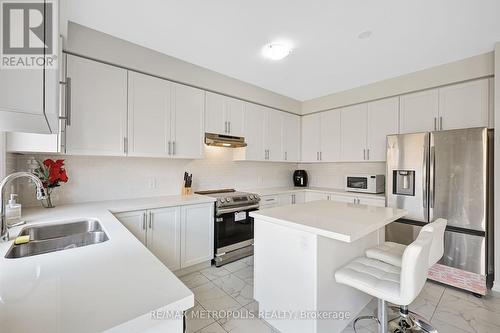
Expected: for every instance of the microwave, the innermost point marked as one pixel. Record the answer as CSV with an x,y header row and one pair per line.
x,y
365,183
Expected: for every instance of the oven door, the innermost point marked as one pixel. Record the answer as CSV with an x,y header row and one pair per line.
x,y
233,231
358,184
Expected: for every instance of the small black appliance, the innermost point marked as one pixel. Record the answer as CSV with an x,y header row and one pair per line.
x,y
300,178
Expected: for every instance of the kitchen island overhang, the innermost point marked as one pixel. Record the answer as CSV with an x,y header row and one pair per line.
x,y
297,251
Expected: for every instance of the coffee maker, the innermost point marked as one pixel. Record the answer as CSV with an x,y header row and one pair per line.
x,y
300,178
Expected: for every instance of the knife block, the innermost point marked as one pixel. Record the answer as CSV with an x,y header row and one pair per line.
x,y
187,191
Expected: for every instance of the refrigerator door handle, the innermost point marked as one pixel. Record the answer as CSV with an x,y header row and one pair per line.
x,y
432,182
425,182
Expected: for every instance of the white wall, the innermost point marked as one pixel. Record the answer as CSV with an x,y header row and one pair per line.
x,y
97,45
332,174
107,178
458,71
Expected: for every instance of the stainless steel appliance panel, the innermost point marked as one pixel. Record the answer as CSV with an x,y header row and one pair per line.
x,y
409,153
458,177
401,233
465,252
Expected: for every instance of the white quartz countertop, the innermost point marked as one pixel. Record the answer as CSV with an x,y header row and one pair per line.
x,y
291,189
337,220
113,285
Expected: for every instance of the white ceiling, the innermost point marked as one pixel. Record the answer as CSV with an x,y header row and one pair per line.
x,y
227,36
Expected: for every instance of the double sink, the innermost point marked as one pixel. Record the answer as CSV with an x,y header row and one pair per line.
x,y
57,237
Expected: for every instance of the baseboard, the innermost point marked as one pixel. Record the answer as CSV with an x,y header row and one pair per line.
x,y
496,287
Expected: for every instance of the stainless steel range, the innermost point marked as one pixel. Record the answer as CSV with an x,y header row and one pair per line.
x,y
233,225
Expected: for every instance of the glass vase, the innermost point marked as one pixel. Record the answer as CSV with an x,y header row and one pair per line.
x,y
47,202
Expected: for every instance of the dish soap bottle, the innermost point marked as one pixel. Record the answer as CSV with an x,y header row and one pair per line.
x,y
13,211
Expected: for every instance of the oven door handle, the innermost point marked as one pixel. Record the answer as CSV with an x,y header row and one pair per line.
x,y
235,209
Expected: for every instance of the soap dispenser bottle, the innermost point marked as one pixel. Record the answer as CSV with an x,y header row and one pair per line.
x,y
13,212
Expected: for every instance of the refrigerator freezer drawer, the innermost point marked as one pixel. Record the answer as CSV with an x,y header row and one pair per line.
x,y
465,252
462,251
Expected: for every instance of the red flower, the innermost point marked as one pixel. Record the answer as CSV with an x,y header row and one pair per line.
x,y
56,172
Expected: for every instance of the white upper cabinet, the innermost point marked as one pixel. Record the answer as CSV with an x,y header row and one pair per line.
x,y
330,133
354,132
188,105
148,115
29,98
419,112
255,118
273,135
224,115
311,144
98,108
464,105
165,119
291,137
382,121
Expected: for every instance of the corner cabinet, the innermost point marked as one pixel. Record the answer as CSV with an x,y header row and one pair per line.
x,y
98,112
178,236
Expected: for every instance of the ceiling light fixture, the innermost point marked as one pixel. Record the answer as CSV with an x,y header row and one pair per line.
x,y
276,51
365,34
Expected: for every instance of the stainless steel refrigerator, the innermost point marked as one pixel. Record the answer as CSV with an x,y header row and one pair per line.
x,y
446,174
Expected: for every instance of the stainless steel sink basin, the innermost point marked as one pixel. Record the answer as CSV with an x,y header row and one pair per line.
x,y
58,237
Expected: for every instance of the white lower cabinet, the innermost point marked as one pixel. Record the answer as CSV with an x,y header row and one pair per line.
x,y
197,234
269,201
179,236
316,196
291,198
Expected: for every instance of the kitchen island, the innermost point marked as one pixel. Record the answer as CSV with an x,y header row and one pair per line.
x,y
297,251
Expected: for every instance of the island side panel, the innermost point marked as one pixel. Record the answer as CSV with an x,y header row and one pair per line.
x,y
285,274
332,255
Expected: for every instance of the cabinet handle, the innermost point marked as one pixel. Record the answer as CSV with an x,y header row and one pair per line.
x,y
368,154
151,220
173,147
169,148
364,154
229,127
67,101
125,145
225,127
286,157
321,156
317,156
435,123
144,217
440,123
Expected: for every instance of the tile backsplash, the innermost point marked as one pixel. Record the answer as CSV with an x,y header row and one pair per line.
x,y
106,178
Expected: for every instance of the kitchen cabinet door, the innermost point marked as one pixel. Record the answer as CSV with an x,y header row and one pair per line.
x,y
285,199
164,235
372,201
274,135
187,122
315,196
353,129
464,105
254,124
149,112
215,113
197,234
382,121
98,108
310,145
419,112
344,198
135,222
330,136
291,137
300,197
269,201
235,115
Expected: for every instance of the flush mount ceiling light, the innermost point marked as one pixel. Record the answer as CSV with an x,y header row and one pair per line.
x,y
365,34
276,51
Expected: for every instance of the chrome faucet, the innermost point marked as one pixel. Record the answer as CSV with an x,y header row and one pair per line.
x,y
40,194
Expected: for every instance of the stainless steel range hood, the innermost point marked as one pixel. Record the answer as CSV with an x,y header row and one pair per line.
x,y
227,141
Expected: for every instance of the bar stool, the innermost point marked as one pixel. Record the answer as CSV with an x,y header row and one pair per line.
x,y
390,283
392,253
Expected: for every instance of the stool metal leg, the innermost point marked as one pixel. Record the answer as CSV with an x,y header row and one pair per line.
x,y
382,316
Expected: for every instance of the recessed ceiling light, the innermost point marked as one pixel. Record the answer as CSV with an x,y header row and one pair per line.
x,y
276,51
365,34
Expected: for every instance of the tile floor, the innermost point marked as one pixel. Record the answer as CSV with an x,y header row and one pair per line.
x,y
231,288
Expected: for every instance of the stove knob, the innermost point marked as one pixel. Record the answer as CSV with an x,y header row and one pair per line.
x,y
221,200
228,200
251,197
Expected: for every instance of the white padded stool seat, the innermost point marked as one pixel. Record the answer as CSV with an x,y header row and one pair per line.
x,y
389,252
373,277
